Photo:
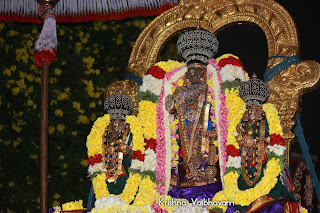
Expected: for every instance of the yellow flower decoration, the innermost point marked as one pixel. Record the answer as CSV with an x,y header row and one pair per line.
x,y
169,65
246,197
72,205
130,188
147,117
94,138
100,186
236,107
137,132
226,56
273,119
268,181
147,192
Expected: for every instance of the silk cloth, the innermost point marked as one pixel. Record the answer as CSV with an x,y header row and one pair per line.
x,y
200,192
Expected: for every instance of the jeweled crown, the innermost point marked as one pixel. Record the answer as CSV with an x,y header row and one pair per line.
x,y
254,92
118,106
197,46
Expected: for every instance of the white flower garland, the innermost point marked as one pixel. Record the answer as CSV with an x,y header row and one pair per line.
x,y
151,84
234,162
231,72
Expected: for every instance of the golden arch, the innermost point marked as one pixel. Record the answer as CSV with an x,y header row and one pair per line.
x,y
214,15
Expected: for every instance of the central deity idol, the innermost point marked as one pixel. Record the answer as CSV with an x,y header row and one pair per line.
x,y
189,103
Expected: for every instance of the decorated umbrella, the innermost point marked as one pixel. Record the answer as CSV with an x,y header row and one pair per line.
x,y
83,10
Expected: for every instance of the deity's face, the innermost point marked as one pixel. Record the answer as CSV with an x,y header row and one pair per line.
x,y
195,73
118,125
252,113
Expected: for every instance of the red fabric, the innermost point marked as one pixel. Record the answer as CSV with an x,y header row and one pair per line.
x,y
138,155
277,139
230,60
151,143
95,159
156,72
291,207
181,154
89,17
44,55
231,150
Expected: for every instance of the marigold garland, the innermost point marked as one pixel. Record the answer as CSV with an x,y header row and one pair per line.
x,y
273,119
169,65
147,192
236,107
273,167
131,187
147,117
95,148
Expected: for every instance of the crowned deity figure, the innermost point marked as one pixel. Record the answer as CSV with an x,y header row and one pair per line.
x,y
259,145
116,142
190,104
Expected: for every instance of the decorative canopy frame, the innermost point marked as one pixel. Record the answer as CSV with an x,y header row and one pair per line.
x,y
215,15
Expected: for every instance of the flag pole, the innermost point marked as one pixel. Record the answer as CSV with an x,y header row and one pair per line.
x,y
44,138
46,53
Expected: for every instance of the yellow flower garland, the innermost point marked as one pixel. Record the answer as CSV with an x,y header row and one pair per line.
x,y
147,192
169,65
174,143
273,119
236,107
131,187
94,147
74,205
268,181
147,118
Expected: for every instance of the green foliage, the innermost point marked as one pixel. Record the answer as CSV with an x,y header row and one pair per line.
x,y
90,56
230,84
147,96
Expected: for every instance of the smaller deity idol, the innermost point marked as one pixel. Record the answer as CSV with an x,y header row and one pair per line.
x,y
191,106
116,139
254,139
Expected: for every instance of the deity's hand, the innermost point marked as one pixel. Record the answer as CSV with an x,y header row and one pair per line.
x,y
169,103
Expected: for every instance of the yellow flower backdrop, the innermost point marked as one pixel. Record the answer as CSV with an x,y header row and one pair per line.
x,y
90,56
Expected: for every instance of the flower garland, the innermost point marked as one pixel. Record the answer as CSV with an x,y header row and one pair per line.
x,y
69,206
147,192
169,65
95,150
115,204
273,167
174,126
163,169
221,112
147,117
231,68
236,107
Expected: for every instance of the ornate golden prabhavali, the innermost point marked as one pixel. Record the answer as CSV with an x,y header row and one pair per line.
x,y
214,15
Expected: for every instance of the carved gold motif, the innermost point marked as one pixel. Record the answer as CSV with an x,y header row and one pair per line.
x,y
214,15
